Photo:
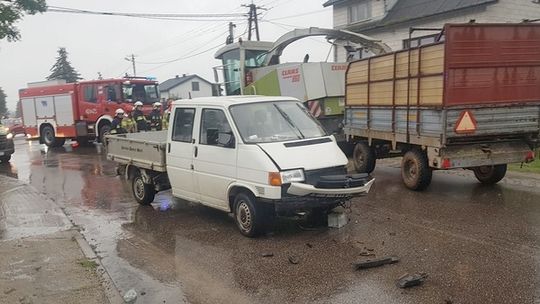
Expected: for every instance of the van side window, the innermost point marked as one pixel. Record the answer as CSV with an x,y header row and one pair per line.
x,y
215,129
89,91
183,124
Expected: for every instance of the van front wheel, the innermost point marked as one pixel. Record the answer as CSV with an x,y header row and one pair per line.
x,y
250,216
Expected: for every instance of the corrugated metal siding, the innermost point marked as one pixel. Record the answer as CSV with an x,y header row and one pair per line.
x,y
500,120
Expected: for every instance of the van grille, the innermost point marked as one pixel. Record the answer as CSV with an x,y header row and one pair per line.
x,y
312,176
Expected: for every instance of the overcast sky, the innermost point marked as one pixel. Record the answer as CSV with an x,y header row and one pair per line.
x,y
100,43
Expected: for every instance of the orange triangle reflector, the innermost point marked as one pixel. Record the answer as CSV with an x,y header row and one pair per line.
x,y
466,123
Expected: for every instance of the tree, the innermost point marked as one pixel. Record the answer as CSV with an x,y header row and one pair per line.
x,y
62,69
3,108
18,112
13,10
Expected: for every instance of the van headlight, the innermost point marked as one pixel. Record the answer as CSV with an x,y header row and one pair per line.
x,y
9,136
290,176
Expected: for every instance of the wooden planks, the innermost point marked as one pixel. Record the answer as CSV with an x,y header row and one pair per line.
x,y
382,82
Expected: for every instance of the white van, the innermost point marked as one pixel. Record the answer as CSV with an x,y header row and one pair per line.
x,y
253,156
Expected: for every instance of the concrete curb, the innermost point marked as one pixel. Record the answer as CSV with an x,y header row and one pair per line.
x,y
110,289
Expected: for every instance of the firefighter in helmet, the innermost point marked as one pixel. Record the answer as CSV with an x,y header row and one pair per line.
x,y
138,116
116,126
128,123
155,117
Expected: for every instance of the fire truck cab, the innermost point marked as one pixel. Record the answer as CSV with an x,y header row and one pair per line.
x,y
54,111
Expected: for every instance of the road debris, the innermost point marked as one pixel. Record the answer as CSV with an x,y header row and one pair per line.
x,y
376,262
293,260
309,245
267,255
410,280
365,253
9,291
130,296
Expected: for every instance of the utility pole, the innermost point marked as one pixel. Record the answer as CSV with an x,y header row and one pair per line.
x,y
230,38
253,22
132,59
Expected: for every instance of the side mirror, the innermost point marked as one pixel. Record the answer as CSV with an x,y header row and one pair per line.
x,y
226,139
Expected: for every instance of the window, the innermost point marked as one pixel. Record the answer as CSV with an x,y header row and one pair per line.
x,y
359,11
215,129
112,92
195,86
183,125
422,40
89,93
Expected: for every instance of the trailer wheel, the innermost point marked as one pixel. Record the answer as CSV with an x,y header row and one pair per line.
x,y
4,159
49,138
144,193
364,158
252,218
490,175
415,171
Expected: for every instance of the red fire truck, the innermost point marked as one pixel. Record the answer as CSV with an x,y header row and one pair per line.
x,y
55,111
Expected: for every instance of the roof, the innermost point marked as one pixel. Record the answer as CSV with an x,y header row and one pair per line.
x,y
226,101
406,10
173,82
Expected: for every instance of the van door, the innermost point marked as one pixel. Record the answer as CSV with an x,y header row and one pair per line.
x,y
180,151
215,160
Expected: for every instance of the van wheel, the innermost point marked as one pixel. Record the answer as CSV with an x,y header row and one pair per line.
x,y
490,175
364,158
415,171
144,193
251,217
48,137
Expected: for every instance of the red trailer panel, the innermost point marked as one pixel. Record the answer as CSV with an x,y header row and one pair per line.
x,y
492,63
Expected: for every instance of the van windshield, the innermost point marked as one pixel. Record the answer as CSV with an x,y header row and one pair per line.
x,y
266,122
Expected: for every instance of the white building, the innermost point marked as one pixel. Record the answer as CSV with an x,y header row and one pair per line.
x,y
185,87
390,20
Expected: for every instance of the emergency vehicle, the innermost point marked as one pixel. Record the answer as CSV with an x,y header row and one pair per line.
x,y
54,111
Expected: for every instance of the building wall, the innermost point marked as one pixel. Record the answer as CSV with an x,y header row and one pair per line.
x,y
502,11
182,91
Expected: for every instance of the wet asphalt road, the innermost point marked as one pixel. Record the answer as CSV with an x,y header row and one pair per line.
x,y
477,244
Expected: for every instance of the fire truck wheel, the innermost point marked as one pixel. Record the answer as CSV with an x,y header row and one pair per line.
x,y
48,137
490,175
364,158
415,171
104,130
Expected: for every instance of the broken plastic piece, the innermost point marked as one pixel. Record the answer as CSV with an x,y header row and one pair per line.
x,y
376,262
410,280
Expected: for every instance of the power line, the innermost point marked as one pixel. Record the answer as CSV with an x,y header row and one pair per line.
x,y
159,16
299,15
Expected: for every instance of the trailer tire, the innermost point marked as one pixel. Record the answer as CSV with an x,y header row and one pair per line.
x,y
415,171
5,159
143,193
490,175
364,157
252,217
49,138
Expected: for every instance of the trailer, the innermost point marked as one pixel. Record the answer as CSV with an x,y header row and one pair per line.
x,y
470,100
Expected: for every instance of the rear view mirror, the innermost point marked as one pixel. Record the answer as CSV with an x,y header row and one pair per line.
x,y
226,139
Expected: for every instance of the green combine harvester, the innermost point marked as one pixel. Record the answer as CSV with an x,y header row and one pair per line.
x,y
254,68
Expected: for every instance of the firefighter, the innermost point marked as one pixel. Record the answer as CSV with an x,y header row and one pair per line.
x,y
128,123
116,126
165,120
155,117
138,116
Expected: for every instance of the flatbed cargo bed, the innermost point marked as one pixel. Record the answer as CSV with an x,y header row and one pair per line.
x,y
144,150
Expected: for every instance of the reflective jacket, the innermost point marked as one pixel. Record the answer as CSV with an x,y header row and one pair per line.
x,y
140,120
155,120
